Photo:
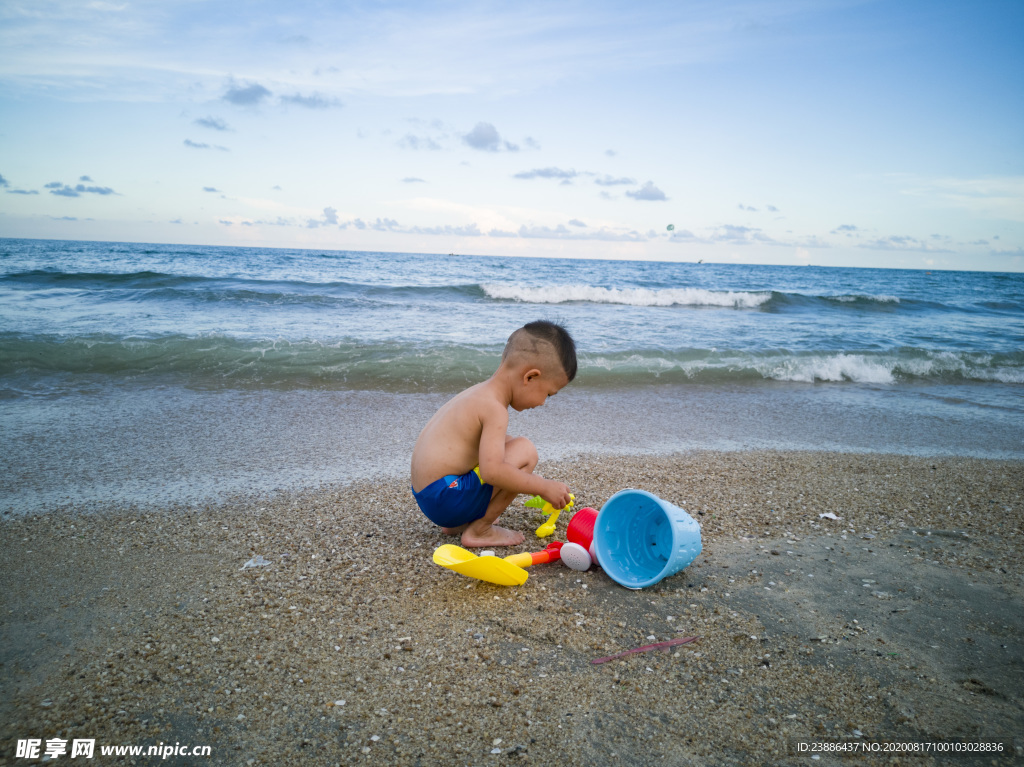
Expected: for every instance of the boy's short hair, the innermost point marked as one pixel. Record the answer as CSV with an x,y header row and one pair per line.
x,y
556,335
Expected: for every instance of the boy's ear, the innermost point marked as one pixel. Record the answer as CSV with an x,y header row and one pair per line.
x,y
530,374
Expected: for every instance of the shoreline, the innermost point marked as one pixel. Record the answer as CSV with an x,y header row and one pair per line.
x,y
902,621
156,447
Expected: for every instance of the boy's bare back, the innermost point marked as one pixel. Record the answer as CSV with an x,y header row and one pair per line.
x,y
450,442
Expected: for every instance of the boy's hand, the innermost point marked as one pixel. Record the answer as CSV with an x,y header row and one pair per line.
x,y
557,495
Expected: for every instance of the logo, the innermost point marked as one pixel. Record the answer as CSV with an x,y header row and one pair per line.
x,y
454,484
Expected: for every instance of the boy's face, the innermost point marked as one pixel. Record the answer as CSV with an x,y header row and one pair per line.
x,y
535,387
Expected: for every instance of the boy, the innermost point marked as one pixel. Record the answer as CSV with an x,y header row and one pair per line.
x,y
466,470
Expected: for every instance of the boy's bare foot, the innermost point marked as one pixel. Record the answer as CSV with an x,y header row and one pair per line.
x,y
454,530
491,535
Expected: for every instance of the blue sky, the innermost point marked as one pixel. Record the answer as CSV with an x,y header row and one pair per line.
x,y
789,131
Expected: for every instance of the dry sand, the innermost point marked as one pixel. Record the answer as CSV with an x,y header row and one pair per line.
x,y
903,620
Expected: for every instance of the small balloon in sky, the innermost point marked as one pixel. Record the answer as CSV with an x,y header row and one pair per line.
x,y
670,227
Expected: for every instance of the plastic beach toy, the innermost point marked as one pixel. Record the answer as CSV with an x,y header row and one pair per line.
x,y
580,553
539,503
507,571
643,539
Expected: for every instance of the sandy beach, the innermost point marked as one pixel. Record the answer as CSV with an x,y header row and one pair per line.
x,y
902,620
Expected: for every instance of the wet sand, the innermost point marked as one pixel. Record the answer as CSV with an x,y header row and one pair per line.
x,y
902,620
157,446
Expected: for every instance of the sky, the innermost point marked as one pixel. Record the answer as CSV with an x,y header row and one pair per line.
x,y
827,132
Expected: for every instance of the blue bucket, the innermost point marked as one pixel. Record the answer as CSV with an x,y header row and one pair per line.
x,y
641,538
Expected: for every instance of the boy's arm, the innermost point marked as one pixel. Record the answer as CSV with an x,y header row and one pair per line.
x,y
494,470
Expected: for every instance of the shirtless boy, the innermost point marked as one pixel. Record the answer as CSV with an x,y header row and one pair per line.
x,y
466,470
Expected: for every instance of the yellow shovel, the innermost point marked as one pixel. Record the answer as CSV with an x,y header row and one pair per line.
x,y
503,572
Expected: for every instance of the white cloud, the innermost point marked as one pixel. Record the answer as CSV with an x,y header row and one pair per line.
x,y
738,235
902,243
63,190
1017,253
562,232
409,141
246,95
469,230
214,123
484,136
312,101
685,236
647,192
202,145
607,180
731,234
547,173
328,217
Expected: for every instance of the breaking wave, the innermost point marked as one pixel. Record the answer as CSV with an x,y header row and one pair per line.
x,y
220,360
560,294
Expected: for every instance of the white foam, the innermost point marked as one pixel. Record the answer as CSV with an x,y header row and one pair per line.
x,y
878,299
560,294
884,369
973,367
872,368
833,367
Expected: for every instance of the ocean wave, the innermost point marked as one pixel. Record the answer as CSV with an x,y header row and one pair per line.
x,y
894,367
857,368
764,300
863,299
318,288
161,286
1003,307
560,294
221,360
150,280
47,278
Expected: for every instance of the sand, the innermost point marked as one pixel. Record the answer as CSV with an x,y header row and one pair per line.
x,y
902,620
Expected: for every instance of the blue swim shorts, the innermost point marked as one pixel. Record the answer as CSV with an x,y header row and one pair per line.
x,y
452,500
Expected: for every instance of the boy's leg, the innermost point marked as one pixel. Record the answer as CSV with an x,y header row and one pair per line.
x,y
520,452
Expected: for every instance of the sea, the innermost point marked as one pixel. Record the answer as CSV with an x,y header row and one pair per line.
x,y
152,374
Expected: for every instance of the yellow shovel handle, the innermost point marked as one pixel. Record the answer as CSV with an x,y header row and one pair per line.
x,y
524,559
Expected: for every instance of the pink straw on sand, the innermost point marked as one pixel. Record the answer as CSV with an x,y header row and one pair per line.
x,y
646,648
